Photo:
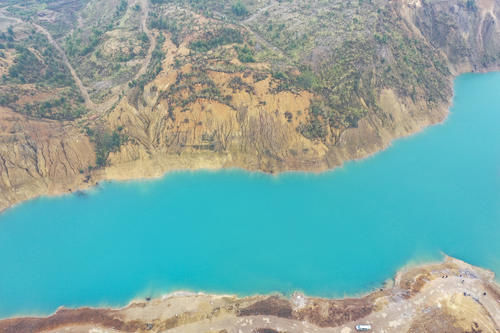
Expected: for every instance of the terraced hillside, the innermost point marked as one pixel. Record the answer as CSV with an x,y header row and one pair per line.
x,y
119,89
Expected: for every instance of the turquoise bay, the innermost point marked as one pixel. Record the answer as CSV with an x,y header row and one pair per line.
x,y
336,233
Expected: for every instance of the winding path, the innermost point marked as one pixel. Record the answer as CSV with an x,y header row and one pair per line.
x,y
260,11
88,102
257,36
152,39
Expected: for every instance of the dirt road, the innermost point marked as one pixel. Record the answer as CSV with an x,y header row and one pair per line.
x,y
152,39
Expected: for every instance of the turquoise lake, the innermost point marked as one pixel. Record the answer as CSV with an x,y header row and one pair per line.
x,y
333,234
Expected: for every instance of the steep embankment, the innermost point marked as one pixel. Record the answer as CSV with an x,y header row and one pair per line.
x,y
38,158
274,144
291,87
447,297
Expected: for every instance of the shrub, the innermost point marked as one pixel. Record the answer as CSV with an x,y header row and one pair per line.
x,y
105,143
239,9
245,54
213,40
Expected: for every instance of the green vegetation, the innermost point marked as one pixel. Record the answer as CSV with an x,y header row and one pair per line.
x,y
164,23
350,70
58,109
236,9
122,7
36,62
215,39
52,94
471,5
167,24
358,48
107,47
239,9
237,83
7,99
344,52
155,66
197,85
245,54
106,142
75,46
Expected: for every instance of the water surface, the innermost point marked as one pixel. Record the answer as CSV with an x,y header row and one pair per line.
x,y
337,233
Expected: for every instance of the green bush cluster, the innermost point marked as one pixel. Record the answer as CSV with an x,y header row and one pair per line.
x,y
28,67
245,54
198,84
57,109
168,24
6,99
215,39
105,142
471,5
239,9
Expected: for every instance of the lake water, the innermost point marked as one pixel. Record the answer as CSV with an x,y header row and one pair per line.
x,y
332,234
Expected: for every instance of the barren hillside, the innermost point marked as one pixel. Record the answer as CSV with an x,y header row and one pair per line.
x,y
94,90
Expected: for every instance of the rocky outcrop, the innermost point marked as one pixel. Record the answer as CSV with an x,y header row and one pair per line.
x,y
466,31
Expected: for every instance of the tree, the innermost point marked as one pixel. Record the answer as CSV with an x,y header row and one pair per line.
x,y
471,5
239,9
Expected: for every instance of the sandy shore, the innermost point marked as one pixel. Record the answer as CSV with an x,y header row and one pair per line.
x,y
451,296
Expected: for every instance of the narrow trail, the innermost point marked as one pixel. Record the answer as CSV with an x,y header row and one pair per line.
x,y
262,41
260,11
88,102
257,36
152,45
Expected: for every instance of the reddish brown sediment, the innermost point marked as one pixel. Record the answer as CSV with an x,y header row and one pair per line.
x,y
425,298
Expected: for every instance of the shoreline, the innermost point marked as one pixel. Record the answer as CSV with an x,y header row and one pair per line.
x,y
98,177
415,284
218,161
412,264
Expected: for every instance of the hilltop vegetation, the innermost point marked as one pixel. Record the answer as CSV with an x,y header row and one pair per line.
x,y
36,82
345,52
108,47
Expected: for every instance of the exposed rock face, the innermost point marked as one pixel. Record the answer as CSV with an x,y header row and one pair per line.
x,y
468,35
40,157
253,123
448,297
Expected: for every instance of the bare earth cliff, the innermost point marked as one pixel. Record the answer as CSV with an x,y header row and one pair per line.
x,y
126,89
451,297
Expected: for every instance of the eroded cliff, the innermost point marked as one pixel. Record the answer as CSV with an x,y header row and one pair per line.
x,y
277,86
